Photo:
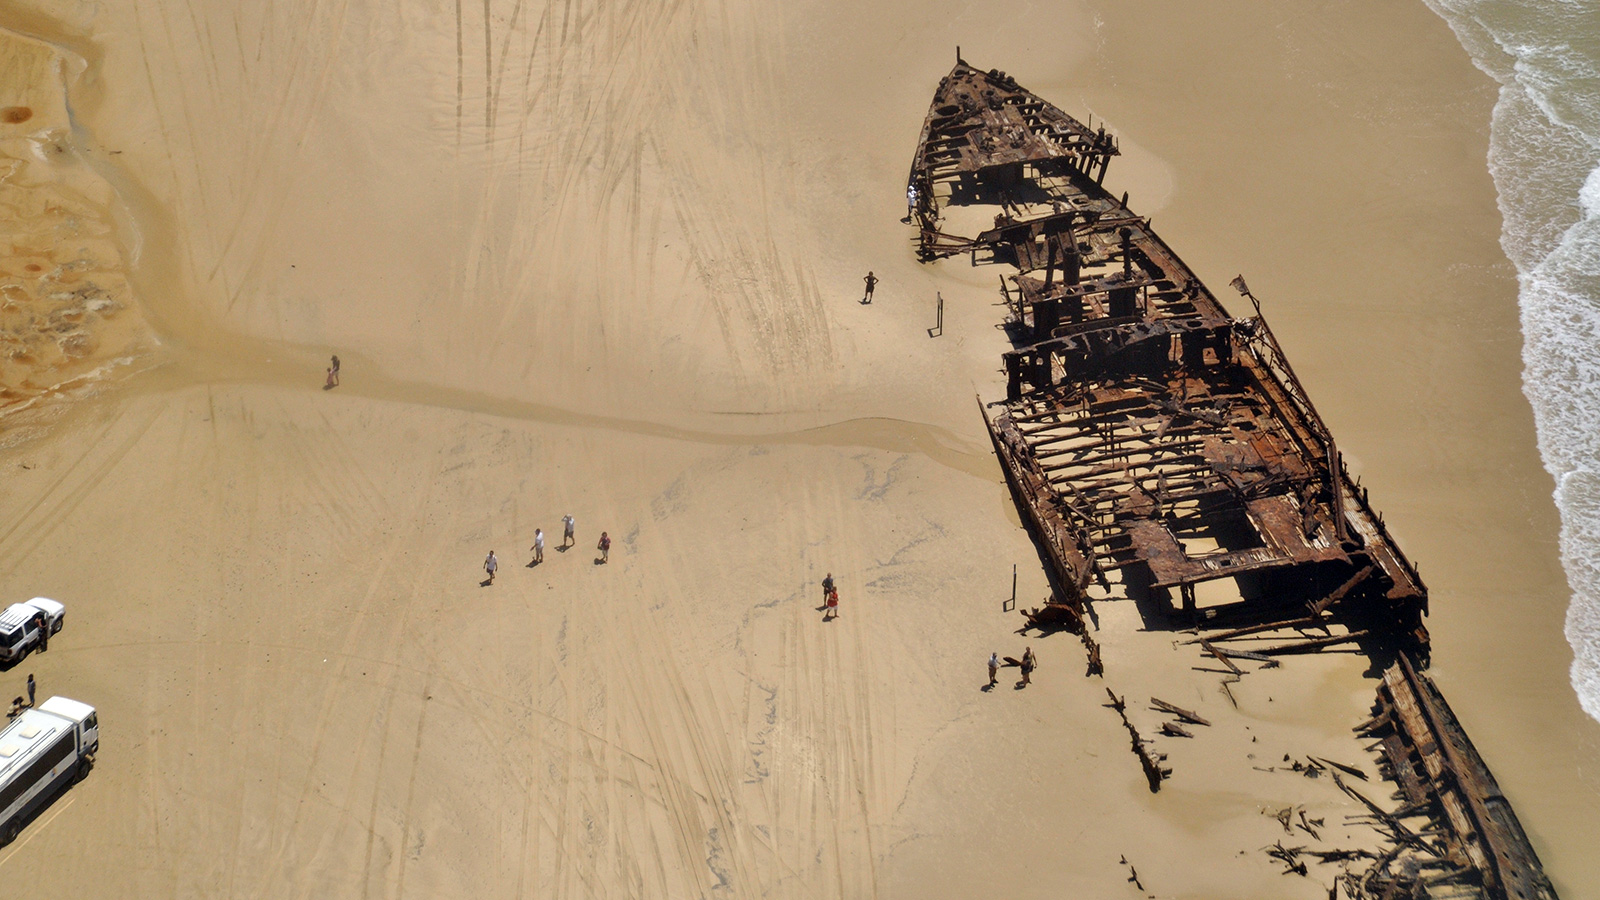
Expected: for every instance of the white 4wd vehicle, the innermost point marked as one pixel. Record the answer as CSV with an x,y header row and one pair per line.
x,y
19,628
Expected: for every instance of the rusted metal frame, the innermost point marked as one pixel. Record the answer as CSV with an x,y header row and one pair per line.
x,y
1124,443
1354,581
1095,429
1476,785
1421,733
1314,643
1086,288
1178,464
1102,484
1027,485
1096,412
1153,444
1199,490
1134,431
1138,331
1391,547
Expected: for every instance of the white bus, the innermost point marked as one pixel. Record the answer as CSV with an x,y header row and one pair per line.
x,y
41,750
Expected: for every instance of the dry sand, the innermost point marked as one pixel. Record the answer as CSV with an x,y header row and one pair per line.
x,y
606,260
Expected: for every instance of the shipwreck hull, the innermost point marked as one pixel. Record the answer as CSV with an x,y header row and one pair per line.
x,y
1154,442
1157,447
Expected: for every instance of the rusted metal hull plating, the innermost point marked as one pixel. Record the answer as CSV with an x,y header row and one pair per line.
x,y
1475,844
1154,442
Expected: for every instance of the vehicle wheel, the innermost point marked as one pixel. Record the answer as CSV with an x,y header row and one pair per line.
x,y
81,771
9,833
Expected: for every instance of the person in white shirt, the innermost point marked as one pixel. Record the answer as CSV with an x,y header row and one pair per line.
x,y
491,565
538,546
568,526
994,669
911,201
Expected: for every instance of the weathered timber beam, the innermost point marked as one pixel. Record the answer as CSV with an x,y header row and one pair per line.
x,y
1314,644
1256,629
1350,584
1221,657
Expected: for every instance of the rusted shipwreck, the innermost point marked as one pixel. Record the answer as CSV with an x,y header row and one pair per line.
x,y
1470,843
1161,449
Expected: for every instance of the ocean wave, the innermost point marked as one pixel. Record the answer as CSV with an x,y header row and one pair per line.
x,y
1544,156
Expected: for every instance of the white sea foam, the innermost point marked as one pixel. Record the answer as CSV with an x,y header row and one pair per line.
x,y
1544,155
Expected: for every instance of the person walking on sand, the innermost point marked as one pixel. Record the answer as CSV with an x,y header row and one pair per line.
x,y
994,669
568,526
329,383
604,547
832,604
911,201
538,546
872,282
827,587
491,565
30,688
335,369
1028,664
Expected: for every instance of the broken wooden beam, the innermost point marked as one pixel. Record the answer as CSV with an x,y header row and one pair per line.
x,y
1153,772
1313,644
1256,629
1321,606
1221,657
1252,655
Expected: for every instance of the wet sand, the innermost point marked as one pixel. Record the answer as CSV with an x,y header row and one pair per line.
x,y
607,261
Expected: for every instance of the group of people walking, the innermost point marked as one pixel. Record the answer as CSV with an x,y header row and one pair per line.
x,y
569,527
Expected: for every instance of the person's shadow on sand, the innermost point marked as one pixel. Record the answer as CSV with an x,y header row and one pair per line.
x,y
1020,685
987,688
564,548
328,387
598,561
486,582
533,564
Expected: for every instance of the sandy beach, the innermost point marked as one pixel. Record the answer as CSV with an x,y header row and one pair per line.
x,y
606,260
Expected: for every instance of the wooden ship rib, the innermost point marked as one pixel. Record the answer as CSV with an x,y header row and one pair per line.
x,y
1156,444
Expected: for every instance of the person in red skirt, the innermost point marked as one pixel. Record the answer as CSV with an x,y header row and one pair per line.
x,y
833,605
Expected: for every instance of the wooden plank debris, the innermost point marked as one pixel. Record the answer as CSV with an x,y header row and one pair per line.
x,y
1184,714
1154,773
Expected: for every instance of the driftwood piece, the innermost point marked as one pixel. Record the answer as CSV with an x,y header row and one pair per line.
x,y
1173,729
1180,712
